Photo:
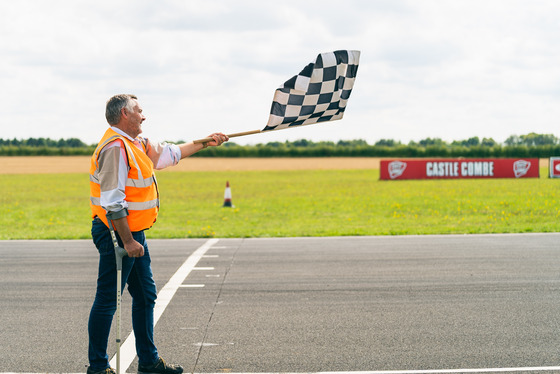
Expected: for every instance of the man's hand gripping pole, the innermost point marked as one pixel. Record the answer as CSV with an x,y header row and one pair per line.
x,y
120,252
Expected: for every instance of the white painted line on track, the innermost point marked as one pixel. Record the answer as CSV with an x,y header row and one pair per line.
x,y
204,268
443,371
128,348
191,286
435,371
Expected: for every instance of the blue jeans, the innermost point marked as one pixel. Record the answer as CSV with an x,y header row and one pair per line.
x,y
137,273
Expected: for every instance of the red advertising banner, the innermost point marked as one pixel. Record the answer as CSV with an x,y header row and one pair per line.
x,y
459,168
554,164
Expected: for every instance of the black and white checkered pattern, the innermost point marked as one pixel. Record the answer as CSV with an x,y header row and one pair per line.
x,y
319,93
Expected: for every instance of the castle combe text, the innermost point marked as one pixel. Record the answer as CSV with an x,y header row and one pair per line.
x,y
460,169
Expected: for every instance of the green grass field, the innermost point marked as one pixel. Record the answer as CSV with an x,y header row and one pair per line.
x,y
291,203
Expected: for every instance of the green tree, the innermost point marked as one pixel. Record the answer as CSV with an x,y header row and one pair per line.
x,y
431,142
533,139
386,143
488,142
513,140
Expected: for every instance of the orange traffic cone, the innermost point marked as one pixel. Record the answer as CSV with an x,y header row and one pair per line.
x,y
227,196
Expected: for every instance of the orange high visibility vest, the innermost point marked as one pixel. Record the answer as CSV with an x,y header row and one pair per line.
x,y
141,185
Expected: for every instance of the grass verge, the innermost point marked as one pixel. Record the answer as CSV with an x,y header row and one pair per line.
x,y
291,203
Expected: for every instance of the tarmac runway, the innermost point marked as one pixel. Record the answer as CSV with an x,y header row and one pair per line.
x,y
402,304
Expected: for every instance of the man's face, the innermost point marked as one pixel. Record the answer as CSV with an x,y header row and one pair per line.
x,y
135,119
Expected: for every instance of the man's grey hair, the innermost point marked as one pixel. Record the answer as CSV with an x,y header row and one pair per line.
x,y
114,106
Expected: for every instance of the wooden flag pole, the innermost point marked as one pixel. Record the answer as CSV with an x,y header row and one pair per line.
x,y
229,135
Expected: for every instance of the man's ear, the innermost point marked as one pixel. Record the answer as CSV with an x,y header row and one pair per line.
x,y
124,113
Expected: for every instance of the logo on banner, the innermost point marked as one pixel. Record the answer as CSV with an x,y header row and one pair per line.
x,y
554,163
396,168
520,168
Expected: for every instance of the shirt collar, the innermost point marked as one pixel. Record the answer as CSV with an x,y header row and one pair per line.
x,y
120,132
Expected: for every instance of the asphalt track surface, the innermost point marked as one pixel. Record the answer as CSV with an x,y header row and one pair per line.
x,y
409,304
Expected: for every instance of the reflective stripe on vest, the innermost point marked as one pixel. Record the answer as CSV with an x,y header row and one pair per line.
x,y
139,183
131,205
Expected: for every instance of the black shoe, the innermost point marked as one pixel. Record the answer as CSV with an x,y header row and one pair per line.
x,y
104,371
160,367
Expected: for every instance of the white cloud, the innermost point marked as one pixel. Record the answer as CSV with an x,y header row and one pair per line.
x,y
436,68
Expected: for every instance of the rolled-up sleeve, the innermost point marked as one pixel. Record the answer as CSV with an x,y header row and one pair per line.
x,y
163,154
113,171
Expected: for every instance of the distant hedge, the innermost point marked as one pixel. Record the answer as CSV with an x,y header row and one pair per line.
x,y
45,151
382,151
530,145
44,147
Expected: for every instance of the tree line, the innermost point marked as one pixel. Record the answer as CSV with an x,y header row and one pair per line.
x,y
44,147
529,145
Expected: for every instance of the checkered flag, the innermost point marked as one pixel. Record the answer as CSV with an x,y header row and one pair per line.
x,y
319,93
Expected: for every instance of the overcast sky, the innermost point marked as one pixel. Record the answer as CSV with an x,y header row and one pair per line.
x,y
450,69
